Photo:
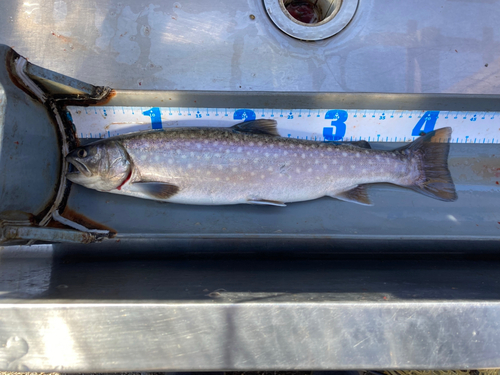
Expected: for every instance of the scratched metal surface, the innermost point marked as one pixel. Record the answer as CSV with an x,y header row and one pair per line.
x,y
132,311
430,46
30,153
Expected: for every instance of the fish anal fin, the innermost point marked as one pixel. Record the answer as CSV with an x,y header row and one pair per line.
x,y
262,126
357,195
155,190
266,202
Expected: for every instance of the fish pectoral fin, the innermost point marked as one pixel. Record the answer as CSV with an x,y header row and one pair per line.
x,y
262,126
155,190
355,195
266,202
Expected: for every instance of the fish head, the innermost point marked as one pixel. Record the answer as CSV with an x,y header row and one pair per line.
x,y
103,165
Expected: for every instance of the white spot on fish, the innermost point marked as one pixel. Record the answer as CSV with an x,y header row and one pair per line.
x,y
217,155
235,169
285,153
367,152
363,171
217,179
170,161
300,146
267,154
276,155
297,170
321,154
240,149
353,166
205,141
198,157
262,176
198,145
325,166
219,167
344,154
303,156
144,156
252,173
184,156
335,161
316,161
190,166
292,146
251,143
358,154
227,178
191,154
370,162
260,143
245,161
377,157
341,168
309,170
228,151
270,169
209,173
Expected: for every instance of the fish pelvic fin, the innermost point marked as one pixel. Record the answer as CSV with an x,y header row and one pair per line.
x,y
266,202
435,179
357,195
262,126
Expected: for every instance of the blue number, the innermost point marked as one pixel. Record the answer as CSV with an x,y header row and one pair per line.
x,y
427,121
474,118
382,117
155,115
244,114
339,117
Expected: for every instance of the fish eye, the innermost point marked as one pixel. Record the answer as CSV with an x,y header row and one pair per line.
x,y
81,153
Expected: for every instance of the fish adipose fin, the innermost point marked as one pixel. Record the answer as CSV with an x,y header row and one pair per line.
x,y
266,202
362,144
263,126
356,195
155,190
435,179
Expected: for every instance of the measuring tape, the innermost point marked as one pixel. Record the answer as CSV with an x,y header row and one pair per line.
x,y
314,124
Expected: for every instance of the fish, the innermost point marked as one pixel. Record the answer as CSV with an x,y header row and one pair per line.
x,y
250,163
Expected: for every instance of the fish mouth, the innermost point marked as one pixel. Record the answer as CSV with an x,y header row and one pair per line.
x,y
78,168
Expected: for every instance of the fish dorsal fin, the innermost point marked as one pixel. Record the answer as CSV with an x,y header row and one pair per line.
x,y
155,190
356,195
263,126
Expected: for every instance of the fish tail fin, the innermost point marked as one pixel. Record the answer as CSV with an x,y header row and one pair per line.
x,y
435,179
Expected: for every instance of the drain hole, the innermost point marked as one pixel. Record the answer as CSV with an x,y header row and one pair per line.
x,y
311,11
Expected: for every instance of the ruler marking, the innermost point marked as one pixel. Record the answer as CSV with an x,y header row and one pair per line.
x,y
320,124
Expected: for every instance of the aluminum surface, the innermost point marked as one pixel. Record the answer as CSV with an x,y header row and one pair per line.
x,y
431,46
70,308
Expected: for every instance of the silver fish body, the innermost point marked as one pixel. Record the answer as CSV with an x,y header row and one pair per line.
x,y
249,163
